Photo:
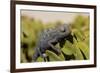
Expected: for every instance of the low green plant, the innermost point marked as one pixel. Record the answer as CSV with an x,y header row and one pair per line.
x,y
30,29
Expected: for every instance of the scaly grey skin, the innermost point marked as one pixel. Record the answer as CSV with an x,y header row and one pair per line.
x,y
49,38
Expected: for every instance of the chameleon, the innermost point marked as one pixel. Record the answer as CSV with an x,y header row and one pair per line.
x,y
49,38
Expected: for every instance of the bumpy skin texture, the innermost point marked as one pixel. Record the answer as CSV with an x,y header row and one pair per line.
x,y
49,38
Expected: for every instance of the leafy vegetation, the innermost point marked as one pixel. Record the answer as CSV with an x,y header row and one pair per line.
x,y
30,29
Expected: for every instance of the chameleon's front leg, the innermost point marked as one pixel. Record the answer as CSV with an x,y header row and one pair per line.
x,y
53,48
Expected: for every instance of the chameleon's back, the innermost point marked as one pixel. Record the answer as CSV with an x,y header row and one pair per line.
x,y
54,33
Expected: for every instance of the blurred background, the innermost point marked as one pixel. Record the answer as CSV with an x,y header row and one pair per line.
x,y
34,22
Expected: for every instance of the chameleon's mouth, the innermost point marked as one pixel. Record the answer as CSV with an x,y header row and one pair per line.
x,y
70,38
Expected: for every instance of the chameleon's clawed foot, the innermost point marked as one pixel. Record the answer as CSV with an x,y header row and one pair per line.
x,y
45,57
59,51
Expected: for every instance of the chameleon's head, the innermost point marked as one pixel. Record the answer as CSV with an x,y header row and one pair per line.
x,y
65,31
